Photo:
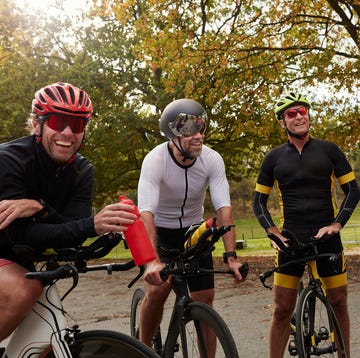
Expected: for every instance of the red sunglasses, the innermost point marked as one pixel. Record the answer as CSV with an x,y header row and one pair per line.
x,y
292,113
60,122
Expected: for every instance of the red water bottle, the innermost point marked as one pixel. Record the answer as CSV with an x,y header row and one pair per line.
x,y
137,238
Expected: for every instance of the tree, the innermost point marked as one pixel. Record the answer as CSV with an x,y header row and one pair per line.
x,y
237,56
97,57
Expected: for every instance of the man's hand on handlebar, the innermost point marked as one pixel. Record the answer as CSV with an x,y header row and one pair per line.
x,y
329,230
278,241
240,270
152,273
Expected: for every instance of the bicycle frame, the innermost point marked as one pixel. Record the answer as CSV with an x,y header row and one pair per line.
x,y
45,326
306,339
179,285
195,329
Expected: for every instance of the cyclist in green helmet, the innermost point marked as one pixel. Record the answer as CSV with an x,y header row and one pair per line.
x,y
304,170
290,100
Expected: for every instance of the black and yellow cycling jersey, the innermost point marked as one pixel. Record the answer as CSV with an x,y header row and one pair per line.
x,y
305,184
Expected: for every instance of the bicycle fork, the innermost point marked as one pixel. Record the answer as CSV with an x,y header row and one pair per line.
x,y
179,316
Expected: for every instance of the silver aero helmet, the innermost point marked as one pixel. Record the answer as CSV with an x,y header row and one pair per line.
x,y
183,118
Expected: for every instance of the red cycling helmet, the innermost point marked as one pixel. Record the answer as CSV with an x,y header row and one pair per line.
x,y
62,98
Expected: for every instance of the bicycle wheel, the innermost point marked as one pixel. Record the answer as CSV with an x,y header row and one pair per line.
x,y
192,343
317,330
137,298
107,344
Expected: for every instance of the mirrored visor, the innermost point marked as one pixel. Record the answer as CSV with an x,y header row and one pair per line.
x,y
58,122
187,125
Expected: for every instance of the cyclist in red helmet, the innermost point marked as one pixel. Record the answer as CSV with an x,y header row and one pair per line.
x,y
46,195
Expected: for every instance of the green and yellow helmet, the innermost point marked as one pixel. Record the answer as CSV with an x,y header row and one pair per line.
x,y
289,100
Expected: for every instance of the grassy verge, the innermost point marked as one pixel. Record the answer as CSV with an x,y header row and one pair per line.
x,y
256,241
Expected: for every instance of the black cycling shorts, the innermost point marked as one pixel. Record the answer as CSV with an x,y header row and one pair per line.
x,y
333,273
174,239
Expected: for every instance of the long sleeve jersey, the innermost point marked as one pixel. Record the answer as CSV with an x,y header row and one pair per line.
x,y
27,172
305,185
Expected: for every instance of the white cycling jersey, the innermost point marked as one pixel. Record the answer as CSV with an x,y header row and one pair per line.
x,y
175,194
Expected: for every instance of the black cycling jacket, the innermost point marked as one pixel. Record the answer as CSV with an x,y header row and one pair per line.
x,y
305,186
28,172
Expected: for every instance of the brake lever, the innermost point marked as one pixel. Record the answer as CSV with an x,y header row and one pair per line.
x,y
278,242
264,276
244,270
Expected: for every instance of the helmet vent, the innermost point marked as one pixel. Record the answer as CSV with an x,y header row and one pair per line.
x,y
81,97
42,99
50,94
62,98
72,95
62,94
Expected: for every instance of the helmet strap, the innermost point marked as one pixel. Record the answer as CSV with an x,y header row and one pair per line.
x,y
39,136
294,135
302,136
72,158
182,151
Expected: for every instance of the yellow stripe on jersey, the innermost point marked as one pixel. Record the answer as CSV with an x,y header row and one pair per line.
x,y
346,178
263,189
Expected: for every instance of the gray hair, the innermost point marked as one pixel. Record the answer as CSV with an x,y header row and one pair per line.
x,y
33,124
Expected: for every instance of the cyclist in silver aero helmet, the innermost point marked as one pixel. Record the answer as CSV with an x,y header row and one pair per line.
x,y
183,118
174,179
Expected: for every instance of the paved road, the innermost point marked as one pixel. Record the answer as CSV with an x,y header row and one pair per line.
x,y
245,308
102,301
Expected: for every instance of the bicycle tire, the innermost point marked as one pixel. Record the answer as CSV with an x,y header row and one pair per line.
x,y
195,313
136,300
317,327
107,344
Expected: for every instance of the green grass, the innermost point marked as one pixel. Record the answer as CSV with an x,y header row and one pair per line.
x,y
256,240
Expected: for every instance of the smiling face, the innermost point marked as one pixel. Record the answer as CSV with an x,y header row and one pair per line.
x,y
61,146
296,120
193,145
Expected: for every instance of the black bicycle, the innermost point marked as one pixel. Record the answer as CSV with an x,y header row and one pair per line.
x,y
314,328
185,337
44,332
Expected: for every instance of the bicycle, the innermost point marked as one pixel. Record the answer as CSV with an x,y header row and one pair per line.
x,y
44,332
314,328
184,334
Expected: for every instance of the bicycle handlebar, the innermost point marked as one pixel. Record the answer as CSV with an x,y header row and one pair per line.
x,y
204,245
78,258
307,250
170,270
293,247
